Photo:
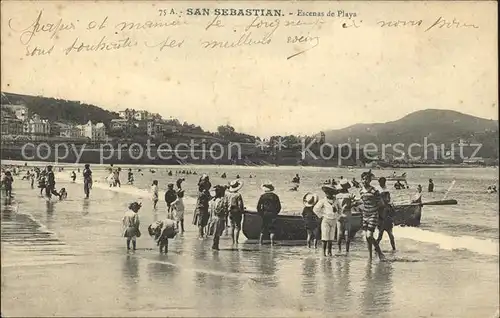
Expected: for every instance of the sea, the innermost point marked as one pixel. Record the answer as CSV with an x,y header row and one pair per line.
x,y
67,258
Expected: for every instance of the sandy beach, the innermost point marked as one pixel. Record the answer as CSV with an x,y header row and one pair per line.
x,y
68,259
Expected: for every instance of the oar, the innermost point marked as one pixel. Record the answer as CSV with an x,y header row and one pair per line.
x,y
441,202
449,189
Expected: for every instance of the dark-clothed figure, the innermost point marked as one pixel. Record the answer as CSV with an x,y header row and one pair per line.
x,y
430,188
268,207
87,180
386,214
202,215
7,183
236,208
170,197
311,220
73,176
130,177
50,187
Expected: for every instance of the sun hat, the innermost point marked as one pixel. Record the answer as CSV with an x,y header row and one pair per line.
x,y
267,186
310,199
235,185
134,204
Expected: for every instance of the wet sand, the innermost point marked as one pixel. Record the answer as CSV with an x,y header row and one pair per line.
x,y
68,259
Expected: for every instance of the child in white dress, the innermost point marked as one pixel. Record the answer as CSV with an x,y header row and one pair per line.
x,y
154,190
178,210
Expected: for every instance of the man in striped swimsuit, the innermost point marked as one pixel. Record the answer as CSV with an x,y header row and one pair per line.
x,y
372,202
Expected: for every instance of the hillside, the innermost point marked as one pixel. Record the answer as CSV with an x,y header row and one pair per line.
x,y
60,110
439,126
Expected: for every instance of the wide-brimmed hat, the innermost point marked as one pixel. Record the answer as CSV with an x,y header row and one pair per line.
x,y
329,188
134,204
267,186
204,177
235,185
310,199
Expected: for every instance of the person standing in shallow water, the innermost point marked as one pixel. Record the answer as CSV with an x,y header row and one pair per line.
x,y
170,196
327,210
430,188
202,215
345,202
219,207
131,224
87,180
236,208
268,207
154,193
311,220
50,188
386,223
372,202
178,210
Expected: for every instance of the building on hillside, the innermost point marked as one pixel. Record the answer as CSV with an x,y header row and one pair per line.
x,y
127,114
141,115
93,132
69,131
36,126
11,125
119,124
160,127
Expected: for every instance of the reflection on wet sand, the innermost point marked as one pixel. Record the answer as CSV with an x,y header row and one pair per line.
x,y
377,292
309,284
130,271
49,210
85,207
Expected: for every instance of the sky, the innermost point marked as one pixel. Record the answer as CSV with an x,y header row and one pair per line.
x,y
353,75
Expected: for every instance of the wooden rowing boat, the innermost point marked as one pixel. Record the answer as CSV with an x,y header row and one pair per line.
x,y
292,227
400,178
288,227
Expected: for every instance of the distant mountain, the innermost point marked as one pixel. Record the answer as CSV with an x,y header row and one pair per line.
x,y
60,110
439,126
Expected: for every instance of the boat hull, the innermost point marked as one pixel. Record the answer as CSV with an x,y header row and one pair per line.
x,y
408,214
395,179
292,227
288,227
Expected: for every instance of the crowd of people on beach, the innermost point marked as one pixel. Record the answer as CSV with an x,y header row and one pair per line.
x,y
326,219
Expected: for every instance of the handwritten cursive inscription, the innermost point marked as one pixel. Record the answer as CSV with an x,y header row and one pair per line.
x,y
216,22
257,23
126,25
399,23
245,39
37,27
299,23
168,43
314,40
442,23
103,45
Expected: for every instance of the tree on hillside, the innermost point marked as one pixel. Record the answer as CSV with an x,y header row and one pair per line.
x,y
226,131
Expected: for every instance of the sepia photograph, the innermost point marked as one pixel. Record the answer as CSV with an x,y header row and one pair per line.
x,y
249,159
